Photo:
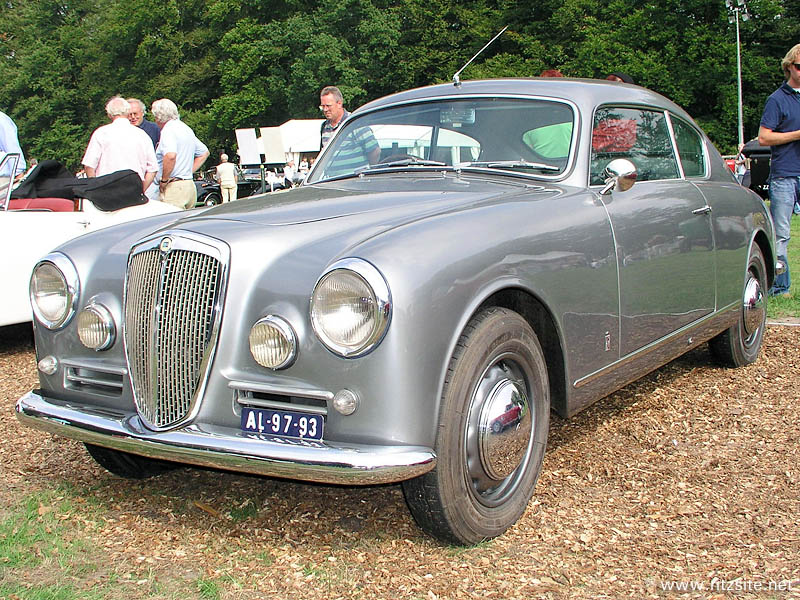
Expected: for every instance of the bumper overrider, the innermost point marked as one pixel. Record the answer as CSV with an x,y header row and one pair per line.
x,y
224,448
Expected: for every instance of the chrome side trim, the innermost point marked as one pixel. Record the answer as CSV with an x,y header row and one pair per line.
x,y
699,329
229,449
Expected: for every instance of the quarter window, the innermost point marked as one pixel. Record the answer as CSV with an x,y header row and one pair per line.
x,y
690,148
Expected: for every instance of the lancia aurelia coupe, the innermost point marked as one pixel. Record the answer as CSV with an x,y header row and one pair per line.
x,y
459,253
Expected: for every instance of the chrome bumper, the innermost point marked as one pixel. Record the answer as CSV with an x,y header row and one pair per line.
x,y
233,450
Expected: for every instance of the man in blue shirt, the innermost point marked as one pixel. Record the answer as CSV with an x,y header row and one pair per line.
x,y
179,155
780,129
9,142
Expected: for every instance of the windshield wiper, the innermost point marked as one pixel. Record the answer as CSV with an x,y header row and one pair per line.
x,y
403,162
509,164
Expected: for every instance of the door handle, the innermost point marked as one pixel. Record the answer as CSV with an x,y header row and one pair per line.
x,y
702,211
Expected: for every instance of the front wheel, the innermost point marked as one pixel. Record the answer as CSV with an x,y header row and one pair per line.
x,y
740,344
484,477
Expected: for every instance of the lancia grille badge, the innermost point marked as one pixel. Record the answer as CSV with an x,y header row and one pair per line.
x,y
166,245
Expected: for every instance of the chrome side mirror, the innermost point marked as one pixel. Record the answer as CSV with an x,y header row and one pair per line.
x,y
619,175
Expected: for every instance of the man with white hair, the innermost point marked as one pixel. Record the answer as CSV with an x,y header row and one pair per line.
x,y
136,117
226,177
179,155
119,145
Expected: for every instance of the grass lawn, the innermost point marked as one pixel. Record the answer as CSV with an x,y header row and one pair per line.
x,y
790,307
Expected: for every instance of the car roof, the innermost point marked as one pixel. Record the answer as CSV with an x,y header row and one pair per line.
x,y
583,92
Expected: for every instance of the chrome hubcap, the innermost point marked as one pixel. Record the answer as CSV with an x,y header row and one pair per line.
x,y
754,308
499,432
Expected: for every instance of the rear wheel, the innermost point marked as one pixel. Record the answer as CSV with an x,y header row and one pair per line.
x,y
485,475
740,344
130,466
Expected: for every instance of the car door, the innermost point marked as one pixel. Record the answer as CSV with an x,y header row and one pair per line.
x,y
661,227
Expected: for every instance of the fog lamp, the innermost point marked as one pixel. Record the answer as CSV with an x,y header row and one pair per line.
x,y
273,343
96,328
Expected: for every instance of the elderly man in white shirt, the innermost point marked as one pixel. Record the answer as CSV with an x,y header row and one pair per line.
x,y
119,145
179,155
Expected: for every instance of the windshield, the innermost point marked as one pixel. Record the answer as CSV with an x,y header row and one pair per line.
x,y
8,166
531,137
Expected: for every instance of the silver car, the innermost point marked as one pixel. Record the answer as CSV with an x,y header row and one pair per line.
x,y
461,260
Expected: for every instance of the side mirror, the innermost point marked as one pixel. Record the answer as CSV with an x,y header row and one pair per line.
x,y
619,175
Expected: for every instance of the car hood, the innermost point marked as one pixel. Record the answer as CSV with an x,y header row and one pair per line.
x,y
384,197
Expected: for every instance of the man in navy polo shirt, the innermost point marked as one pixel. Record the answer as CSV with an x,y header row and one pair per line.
x,y
780,129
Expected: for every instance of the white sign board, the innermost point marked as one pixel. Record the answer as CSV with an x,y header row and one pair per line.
x,y
249,148
272,145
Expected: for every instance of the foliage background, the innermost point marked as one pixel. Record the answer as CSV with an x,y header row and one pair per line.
x,y
254,63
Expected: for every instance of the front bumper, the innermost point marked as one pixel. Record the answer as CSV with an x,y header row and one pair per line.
x,y
223,448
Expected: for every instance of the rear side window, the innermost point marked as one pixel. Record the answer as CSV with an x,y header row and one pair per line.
x,y
639,135
690,148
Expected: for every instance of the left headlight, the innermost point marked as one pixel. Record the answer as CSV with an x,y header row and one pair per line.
x,y
54,290
351,308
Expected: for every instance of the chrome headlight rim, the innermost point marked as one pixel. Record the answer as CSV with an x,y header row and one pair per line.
x,y
107,322
382,302
69,274
287,332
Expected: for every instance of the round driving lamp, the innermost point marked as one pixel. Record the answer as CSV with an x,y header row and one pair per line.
x,y
273,343
96,328
350,308
54,291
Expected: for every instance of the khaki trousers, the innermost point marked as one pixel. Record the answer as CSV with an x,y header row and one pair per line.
x,y
181,193
228,193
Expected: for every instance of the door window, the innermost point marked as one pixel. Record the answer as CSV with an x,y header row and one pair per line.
x,y
639,135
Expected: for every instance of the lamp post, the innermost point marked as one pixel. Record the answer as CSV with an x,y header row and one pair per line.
x,y
737,8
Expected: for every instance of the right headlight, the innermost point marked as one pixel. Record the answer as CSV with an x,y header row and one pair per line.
x,y
351,307
54,290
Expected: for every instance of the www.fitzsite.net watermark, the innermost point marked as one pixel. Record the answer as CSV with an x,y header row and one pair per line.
x,y
730,585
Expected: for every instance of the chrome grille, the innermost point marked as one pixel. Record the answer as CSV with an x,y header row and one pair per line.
x,y
171,316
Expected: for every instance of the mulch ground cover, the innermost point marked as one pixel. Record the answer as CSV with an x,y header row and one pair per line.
x,y
684,484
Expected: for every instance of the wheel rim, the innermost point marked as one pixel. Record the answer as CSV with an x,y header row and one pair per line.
x,y
499,433
753,309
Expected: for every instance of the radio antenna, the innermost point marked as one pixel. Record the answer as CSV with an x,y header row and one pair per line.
x,y
456,79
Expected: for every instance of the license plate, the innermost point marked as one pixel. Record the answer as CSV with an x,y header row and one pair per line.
x,y
282,423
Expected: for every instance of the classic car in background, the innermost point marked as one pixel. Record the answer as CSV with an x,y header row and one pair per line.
x,y
757,175
462,259
208,189
30,228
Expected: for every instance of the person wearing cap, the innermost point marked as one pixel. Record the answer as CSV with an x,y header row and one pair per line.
x,y
780,130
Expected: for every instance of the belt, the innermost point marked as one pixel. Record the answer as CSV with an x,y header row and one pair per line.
x,y
171,179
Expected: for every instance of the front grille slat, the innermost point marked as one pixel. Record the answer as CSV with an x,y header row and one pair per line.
x,y
170,316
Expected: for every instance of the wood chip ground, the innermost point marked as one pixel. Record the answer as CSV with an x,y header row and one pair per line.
x,y
687,478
